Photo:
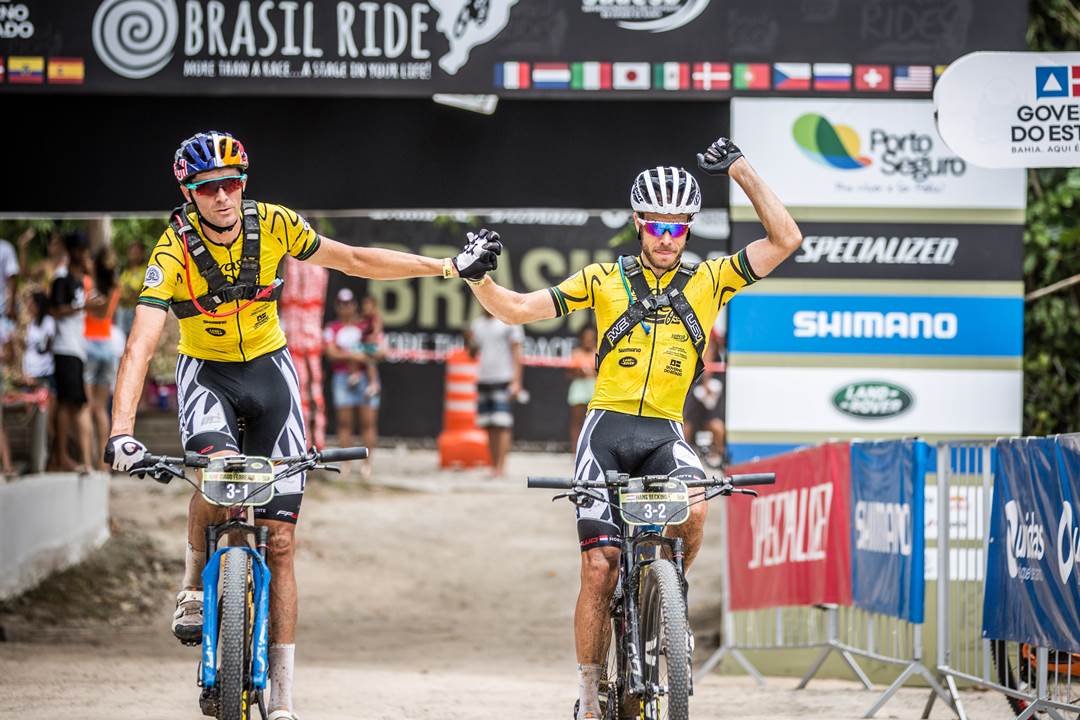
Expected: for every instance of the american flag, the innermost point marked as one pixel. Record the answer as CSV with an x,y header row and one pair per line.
x,y
913,78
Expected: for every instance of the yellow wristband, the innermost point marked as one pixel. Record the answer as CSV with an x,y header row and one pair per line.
x,y
477,283
447,268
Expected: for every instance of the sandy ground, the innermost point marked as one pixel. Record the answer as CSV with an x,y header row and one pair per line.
x,y
433,595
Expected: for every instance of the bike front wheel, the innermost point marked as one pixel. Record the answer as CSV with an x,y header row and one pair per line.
x,y
234,636
665,647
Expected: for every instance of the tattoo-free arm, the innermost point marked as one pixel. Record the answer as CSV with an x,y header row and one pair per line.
x,y
511,307
375,263
782,235
145,333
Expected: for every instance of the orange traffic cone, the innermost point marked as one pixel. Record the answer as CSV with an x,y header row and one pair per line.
x,y
461,443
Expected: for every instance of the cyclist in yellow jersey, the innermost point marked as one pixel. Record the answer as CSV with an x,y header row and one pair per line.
x,y
653,314
218,268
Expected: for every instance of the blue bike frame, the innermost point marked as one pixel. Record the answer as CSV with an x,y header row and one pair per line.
x,y
210,575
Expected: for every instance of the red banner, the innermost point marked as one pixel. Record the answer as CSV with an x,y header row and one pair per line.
x,y
792,544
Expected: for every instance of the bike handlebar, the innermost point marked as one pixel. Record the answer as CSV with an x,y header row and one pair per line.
x,y
195,460
343,454
558,483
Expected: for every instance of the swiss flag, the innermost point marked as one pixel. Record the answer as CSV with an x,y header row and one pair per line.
x,y
873,78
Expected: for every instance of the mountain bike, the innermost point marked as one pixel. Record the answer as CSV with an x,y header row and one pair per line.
x,y
233,666
1017,668
647,673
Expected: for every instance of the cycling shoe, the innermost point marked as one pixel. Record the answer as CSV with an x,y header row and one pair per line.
x,y
187,621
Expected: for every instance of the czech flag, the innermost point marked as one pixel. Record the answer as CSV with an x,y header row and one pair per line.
x,y
791,76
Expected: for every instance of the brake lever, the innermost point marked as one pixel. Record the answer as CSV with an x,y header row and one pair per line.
x,y
326,468
745,491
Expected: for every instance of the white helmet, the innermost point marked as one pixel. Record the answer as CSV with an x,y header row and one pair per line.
x,y
666,190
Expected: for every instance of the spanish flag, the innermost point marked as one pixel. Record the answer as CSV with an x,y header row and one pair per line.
x,y
26,70
66,71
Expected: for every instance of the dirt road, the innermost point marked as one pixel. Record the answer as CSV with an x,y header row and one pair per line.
x,y
451,598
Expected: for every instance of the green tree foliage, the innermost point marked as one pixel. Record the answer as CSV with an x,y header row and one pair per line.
x,y
1052,254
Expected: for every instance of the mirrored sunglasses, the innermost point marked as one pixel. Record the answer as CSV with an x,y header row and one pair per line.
x,y
209,188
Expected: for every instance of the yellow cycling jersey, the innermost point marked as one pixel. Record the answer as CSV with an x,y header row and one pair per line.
x,y
255,330
650,370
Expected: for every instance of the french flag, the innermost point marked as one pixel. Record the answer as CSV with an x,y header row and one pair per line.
x,y
512,76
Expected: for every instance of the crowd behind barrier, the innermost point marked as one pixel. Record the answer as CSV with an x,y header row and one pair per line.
x,y
838,554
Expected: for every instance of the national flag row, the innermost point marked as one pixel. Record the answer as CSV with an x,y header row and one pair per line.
x,y
823,77
34,70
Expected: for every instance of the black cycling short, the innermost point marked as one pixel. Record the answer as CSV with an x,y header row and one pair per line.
x,y
631,444
70,387
265,393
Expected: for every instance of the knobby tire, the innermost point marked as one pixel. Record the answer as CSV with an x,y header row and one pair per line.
x,y
665,652
234,636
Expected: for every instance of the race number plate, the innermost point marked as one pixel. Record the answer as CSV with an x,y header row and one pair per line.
x,y
658,504
238,480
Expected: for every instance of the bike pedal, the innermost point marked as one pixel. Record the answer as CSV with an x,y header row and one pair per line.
x,y
208,703
191,643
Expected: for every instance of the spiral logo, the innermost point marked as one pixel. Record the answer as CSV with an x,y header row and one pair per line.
x,y
135,38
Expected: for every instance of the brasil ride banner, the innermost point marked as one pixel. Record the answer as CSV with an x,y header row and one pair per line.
x,y
792,544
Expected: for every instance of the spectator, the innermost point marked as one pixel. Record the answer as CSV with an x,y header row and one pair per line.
x,y
67,299
498,346
355,379
131,282
9,272
582,374
101,354
37,365
704,408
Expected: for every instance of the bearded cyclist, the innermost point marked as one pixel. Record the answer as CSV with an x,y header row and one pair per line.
x,y
653,312
218,267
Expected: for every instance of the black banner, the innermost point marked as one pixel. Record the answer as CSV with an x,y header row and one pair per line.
x,y
563,48
899,251
424,318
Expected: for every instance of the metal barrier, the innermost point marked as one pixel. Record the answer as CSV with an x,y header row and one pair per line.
x,y
1036,679
848,632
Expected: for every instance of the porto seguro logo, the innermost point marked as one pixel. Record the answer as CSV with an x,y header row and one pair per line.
x,y
872,399
1025,541
649,15
135,38
835,146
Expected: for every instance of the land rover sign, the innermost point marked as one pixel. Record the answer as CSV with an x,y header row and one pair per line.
x,y
872,399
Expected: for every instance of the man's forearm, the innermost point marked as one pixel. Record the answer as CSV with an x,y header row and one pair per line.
x,y
129,387
383,264
504,304
780,227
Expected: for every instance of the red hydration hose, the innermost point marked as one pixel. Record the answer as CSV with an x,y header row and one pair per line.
x,y
262,295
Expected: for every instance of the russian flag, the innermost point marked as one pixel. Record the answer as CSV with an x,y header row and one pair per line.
x,y
791,76
512,76
832,76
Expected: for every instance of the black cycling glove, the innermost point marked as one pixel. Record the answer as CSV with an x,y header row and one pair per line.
x,y
719,157
479,256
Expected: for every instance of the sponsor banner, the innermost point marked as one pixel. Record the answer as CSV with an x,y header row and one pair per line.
x,y
1033,567
791,545
418,48
739,452
888,480
862,153
1012,109
875,325
853,400
898,251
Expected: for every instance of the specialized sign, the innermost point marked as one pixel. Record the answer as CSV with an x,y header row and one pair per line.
x,y
853,400
791,545
1012,109
877,325
1033,569
898,251
864,154
888,481
565,48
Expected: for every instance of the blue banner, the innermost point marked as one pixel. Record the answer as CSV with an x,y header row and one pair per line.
x,y
871,325
1033,569
888,483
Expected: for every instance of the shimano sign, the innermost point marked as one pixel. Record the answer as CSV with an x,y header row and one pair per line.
x,y
883,527
859,249
864,324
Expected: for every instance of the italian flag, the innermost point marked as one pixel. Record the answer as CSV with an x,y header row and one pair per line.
x,y
590,76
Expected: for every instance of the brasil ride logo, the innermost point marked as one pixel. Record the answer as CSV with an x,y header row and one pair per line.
x,y
835,146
